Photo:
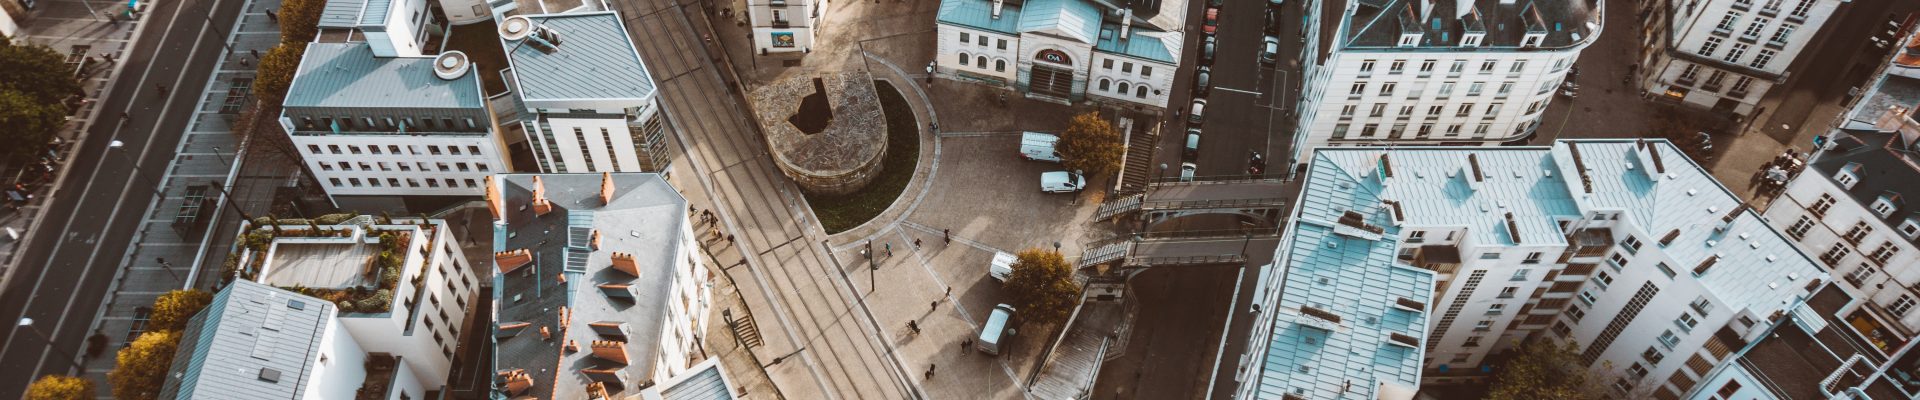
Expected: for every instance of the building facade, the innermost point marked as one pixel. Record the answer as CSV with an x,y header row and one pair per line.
x,y
1448,73
1067,51
599,274
1572,242
1724,55
781,26
586,103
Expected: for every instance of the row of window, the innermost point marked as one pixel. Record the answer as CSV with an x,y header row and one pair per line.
x,y
450,183
1444,90
363,166
1753,28
999,65
385,124
1398,131
981,40
393,149
1456,68
1139,91
1690,73
1379,110
1736,52
1127,67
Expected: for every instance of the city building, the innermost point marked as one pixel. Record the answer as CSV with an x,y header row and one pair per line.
x,y
1470,73
401,287
1723,55
1067,51
780,26
585,100
255,341
599,276
1571,242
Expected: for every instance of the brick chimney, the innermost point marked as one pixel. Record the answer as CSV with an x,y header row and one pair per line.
x,y
517,381
625,263
512,260
606,188
610,350
596,240
545,334
540,204
495,203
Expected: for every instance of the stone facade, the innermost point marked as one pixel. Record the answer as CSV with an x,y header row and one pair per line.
x,y
845,156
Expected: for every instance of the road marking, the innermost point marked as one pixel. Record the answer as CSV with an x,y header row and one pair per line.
x,y
1220,353
1239,91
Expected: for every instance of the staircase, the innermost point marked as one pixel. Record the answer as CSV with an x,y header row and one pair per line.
x,y
1142,141
743,329
1116,207
1101,253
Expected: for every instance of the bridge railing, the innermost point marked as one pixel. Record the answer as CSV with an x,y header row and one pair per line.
x,y
1269,202
1212,179
1187,260
1212,233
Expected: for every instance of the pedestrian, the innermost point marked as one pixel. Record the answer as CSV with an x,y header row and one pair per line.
x,y
935,305
947,235
930,367
709,215
889,247
729,239
275,18
914,326
108,56
256,53
949,291
916,243
691,211
965,345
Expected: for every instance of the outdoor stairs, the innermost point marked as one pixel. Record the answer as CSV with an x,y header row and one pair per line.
x,y
1105,252
1142,141
1120,206
744,329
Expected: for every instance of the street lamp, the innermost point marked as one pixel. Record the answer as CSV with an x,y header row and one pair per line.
x,y
119,145
28,323
222,158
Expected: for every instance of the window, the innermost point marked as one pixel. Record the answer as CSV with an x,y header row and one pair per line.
x,y
1435,111
1490,256
964,39
1397,66
1406,112
1379,109
1902,305
1505,88
1738,50
1471,40
1882,206
1140,91
1146,70
1366,65
1345,111
1664,269
1603,279
334,181
999,65
1509,292
1106,64
1472,341
1858,232
1637,372
1358,89
1884,253
1653,356
1688,73
1520,274
1475,88
964,58
1623,385
1464,110
1800,10
1686,322
1575,314
1461,357
1702,305
1707,49
1453,130
1727,22
1386,89
1368,129
1106,84
1000,44
1740,85
1416,236
1835,254
1617,261
1586,296
1630,244
1487,66
1532,258
1754,28
1124,87
1781,34
1446,89
1760,60
983,38
1458,65
1909,228
1493,109
1426,66
1669,339
1483,325
1126,67
1820,206
1340,131
1860,274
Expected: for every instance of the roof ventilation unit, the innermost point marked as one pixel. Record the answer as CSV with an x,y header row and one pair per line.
x,y
451,65
516,27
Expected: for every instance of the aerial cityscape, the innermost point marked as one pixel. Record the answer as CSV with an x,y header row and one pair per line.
x,y
960,199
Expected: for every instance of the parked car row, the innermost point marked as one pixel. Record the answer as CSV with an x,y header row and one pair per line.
x,y
1203,75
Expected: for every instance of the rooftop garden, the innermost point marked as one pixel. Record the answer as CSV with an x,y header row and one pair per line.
x,y
381,270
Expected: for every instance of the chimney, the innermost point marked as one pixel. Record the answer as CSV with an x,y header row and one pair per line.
x,y
625,263
517,381
1126,23
495,203
566,316
512,260
997,5
606,188
572,347
540,204
596,240
610,350
546,334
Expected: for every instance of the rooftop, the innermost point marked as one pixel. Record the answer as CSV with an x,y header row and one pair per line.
x,y
354,13
707,381
559,277
1379,24
251,341
1154,37
349,75
1884,164
594,59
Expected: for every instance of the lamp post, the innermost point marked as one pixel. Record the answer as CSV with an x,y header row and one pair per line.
x,y
119,145
222,158
28,323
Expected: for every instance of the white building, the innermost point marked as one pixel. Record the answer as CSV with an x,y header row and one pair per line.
x,y
600,276
1449,72
586,101
1626,248
259,342
780,26
1724,55
402,288
1067,51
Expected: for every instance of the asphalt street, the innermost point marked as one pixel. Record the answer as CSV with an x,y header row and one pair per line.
x,y
64,272
1837,61
1247,106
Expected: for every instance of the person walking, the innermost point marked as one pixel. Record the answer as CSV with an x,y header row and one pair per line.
x,y
916,243
913,326
947,235
934,306
889,247
930,368
271,17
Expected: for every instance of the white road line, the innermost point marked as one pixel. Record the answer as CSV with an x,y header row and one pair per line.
x,y
1219,354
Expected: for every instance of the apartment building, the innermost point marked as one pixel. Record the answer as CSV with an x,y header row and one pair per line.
x,y
1066,51
1465,72
402,286
599,276
256,341
1724,55
781,26
585,101
1569,242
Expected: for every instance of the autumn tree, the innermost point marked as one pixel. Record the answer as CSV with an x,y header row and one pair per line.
x,y
1546,368
271,81
172,309
142,366
1042,286
300,20
60,387
35,82
1091,145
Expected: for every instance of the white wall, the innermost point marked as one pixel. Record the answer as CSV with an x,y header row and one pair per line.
x,y
462,12
1902,271
415,152
950,47
617,156
339,370
1134,73
1696,26
420,351
800,22
1333,84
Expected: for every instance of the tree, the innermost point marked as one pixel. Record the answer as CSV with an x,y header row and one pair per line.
x,y
172,309
1546,368
1091,146
60,387
35,82
142,366
1042,286
300,20
271,81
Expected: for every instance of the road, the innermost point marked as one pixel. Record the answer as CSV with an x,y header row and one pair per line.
x,y
1838,60
1247,107
66,269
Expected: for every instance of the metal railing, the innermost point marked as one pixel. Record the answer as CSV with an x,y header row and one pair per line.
x,y
1187,260
1212,233
1213,179
1270,202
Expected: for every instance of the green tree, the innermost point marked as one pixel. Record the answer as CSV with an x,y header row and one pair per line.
x,y
35,82
1042,286
1546,368
60,387
142,366
172,310
1091,145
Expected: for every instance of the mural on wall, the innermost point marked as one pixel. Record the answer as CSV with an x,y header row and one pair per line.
x,y
782,39
1054,56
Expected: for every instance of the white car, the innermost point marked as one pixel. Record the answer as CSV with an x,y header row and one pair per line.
x,y
1061,182
995,329
1036,146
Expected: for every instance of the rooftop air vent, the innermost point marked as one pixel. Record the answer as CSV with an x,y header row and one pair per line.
x,y
516,27
451,65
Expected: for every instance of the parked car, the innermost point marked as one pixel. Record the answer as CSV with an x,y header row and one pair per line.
x,y
995,329
1192,151
1275,3
1213,20
1187,171
1037,146
1273,22
1216,3
1194,115
1206,51
1269,50
1202,81
1002,266
1061,182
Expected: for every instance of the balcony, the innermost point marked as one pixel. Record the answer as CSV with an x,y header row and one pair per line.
x,y
381,370
781,23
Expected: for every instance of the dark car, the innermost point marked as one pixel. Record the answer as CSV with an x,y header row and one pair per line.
x,y
1273,22
1216,3
1269,50
1275,3
1192,150
1202,81
1206,51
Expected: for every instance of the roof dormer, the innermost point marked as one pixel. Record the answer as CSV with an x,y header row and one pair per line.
x,y
1848,175
1886,204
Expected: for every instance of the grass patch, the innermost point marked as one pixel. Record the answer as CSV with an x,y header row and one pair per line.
x,y
840,213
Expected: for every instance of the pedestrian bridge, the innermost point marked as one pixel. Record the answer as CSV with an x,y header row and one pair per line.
x,y
1181,249
1262,199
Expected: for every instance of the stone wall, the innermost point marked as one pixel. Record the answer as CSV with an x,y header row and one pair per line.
x,y
839,160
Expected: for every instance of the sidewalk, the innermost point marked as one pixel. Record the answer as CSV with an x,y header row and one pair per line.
x,y
68,27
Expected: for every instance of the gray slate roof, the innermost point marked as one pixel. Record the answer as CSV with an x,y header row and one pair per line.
x,y
1378,23
349,75
596,60
646,219
249,326
1887,168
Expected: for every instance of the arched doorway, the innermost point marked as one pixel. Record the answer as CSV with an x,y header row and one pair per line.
x,y
1052,74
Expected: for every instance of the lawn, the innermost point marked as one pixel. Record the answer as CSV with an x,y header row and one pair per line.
x,y
840,213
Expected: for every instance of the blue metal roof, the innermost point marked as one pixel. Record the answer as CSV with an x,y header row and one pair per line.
x,y
978,14
596,60
1075,19
1514,180
349,75
342,13
1152,45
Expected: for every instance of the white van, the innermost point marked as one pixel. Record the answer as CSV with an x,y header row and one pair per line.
x,y
1187,170
1061,182
995,329
1036,146
1002,266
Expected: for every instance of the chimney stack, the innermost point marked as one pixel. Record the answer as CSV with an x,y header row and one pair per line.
x,y
517,381
495,203
625,263
610,350
1126,23
997,5
596,240
606,188
508,261
540,204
